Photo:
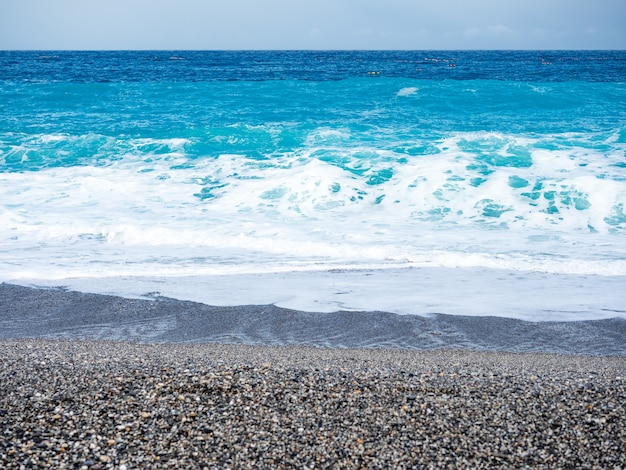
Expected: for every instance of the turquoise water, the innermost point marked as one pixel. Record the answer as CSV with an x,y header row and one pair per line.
x,y
172,165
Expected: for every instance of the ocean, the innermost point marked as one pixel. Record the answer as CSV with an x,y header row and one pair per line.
x,y
472,183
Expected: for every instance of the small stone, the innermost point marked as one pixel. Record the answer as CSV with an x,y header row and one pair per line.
x,y
417,420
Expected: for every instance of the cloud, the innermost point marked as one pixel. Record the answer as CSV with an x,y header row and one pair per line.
x,y
546,33
472,32
498,30
475,32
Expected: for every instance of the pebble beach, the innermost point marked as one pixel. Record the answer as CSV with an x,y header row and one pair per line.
x,y
105,404
266,259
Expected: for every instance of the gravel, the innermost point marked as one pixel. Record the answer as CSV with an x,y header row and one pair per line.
x,y
97,404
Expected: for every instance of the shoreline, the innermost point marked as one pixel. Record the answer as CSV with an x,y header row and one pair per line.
x,y
55,313
103,404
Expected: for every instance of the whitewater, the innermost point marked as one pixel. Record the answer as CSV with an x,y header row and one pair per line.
x,y
412,182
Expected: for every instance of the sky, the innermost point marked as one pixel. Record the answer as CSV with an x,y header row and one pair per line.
x,y
312,24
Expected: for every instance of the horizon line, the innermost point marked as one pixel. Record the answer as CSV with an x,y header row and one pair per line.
x,y
313,50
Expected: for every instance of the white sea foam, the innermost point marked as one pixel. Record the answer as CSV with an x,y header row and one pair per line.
x,y
467,291
408,91
397,230
53,138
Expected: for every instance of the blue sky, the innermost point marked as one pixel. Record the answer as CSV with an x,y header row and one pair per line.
x,y
312,24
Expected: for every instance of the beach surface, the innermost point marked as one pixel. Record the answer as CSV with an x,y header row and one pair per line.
x,y
56,313
102,404
94,381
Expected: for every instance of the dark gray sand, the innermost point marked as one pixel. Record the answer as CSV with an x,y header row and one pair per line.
x,y
81,404
59,314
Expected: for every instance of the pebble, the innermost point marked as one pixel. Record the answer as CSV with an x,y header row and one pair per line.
x,y
106,405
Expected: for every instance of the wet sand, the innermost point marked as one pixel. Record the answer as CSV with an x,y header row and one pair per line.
x,y
56,313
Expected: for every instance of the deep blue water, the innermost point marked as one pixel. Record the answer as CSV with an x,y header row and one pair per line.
x,y
201,66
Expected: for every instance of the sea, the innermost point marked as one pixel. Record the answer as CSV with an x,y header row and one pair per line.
x,y
469,183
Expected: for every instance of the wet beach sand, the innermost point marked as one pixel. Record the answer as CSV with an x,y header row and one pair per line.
x,y
80,402
56,313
